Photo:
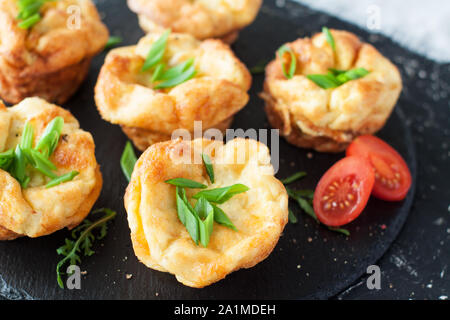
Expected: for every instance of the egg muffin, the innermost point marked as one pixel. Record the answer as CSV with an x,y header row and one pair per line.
x,y
203,19
313,113
38,206
49,57
148,111
258,215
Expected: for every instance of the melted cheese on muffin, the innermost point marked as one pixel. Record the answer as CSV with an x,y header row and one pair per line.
x,y
37,210
161,241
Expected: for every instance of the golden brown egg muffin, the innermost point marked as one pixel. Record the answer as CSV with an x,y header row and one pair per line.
x,y
52,58
328,120
36,210
203,19
125,95
161,241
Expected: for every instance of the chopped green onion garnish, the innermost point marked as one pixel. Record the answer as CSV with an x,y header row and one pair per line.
x,y
329,38
208,165
335,77
112,42
288,72
31,21
61,179
178,79
156,52
220,195
128,160
50,137
186,183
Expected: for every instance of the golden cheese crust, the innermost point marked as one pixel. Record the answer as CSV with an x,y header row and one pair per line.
x,y
51,59
160,240
203,19
328,120
124,94
38,211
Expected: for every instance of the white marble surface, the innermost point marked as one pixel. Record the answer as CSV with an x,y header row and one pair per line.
x,y
420,25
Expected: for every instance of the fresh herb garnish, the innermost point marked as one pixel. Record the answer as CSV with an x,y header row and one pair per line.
x,y
177,76
128,160
64,178
304,199
29,12
259,67
112,42
290,71
221,195
199,220
82,241
186,183
156,52
171,77
336,78
208,165
329,38
292,217
294,177
16,161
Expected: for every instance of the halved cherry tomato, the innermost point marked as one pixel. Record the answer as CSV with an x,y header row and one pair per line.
x,y
392,175
343,191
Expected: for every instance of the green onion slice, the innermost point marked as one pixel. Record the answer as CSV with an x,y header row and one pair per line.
x,y
61,179
209,167
156,52
220,195
50,137
329,38
186,183
288,72
128,160
178,79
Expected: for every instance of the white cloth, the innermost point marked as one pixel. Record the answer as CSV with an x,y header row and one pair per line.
x,y
421,26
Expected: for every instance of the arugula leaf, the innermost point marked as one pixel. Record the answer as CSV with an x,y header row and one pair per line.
x,y
128,160
209,167
307,206
288,73
220,195
186,183
292,217
71,250
329,38
156,52
294,177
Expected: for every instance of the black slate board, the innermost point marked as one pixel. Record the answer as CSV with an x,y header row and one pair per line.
x,y
308,262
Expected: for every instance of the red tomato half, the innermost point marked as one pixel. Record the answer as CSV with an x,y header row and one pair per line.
x,y
343,191
392,175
